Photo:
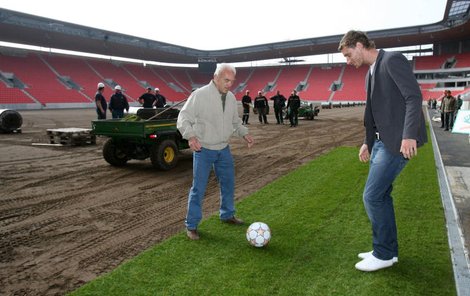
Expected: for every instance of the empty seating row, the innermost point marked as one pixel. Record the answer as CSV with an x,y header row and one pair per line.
x,y
52,78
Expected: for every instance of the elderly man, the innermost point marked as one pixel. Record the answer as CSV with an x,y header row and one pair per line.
x,y
207,120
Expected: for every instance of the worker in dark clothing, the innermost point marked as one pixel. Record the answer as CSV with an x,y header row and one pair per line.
x,y
261,104
100,101
118,103
293,104
279,104
148,99
246,103
161,100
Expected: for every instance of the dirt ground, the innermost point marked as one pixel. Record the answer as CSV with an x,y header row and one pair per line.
x,y
67,216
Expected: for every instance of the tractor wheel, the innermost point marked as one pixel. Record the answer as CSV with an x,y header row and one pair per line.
x,y
113,154
164,155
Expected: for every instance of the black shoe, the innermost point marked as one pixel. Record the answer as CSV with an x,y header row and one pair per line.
x,y
446,129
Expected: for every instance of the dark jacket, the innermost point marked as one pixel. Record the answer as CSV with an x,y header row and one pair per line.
x,y
394,103
261,102
161,101
279,101
294,102
118,102
246,100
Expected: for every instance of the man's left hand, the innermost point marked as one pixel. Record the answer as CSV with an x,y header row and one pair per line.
x,y
249,139
409,148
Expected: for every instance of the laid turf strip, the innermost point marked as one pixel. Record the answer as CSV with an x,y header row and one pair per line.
x,y
318,226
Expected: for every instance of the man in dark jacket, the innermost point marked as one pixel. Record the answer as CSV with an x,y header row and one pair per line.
x,y
279,104
246,103
395,128
161,100
293,105
118,103
261,104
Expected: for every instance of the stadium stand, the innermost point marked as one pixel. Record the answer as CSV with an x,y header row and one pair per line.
x,y
182,78
262,79
291,77
463,60
170,83
32,78
432,62
352,85
114,74
11,95
199,79
77,70
39,80
319,83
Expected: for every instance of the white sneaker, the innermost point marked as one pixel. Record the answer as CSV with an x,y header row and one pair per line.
x,y
367,254
371,263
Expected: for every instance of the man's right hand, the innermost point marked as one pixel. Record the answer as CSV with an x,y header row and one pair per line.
x,y
364,154
194,144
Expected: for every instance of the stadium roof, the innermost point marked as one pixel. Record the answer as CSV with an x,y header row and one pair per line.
x,y
17,27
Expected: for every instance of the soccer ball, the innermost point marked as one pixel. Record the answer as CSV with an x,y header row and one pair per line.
x,y
258,234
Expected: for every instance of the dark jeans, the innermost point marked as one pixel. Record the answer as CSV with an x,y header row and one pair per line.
x,y
384,168
246,114
262,115
449,120
101,115
117,113
278,113
294,117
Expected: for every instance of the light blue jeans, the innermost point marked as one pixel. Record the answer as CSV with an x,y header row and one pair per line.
x,y
378,202
203,162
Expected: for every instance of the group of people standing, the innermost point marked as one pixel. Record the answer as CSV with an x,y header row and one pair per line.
x,y
152,99
118,101
261,106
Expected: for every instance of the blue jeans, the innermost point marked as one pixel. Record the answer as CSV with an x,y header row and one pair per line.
x,y
378,202
203,162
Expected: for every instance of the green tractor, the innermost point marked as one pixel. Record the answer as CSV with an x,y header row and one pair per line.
x,y
152,133
307,110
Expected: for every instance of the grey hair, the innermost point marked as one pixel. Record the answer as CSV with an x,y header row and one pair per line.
x,y
224,67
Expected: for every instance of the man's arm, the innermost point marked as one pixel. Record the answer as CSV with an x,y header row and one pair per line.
x,y
186,118
401,73
99,105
